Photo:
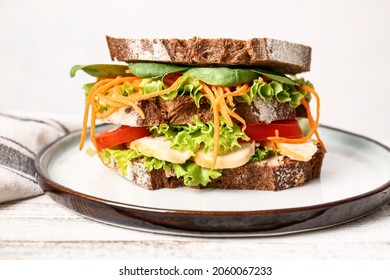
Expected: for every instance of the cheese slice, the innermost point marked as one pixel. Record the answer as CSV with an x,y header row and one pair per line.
x,y
159,148
233,159
301,152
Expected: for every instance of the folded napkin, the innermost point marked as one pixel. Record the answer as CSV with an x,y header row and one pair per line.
x,y
21,138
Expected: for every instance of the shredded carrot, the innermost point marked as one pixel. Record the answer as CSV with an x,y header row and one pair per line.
x,y
218,91
239,118
120,101
309,115
214,105
86,110
239,91
220,98
114,101
313,123
229,97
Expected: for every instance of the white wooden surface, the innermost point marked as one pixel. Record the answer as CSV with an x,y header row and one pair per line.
x,y
39,228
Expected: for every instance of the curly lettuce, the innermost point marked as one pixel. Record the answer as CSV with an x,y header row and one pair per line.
x,y
262,153
281,91
193,136
121,158
187,86
192,174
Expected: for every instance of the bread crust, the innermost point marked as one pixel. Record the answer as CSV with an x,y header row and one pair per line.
x,y
273,174
278,55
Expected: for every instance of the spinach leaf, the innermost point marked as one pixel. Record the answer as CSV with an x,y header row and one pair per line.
x,y
275,76
154,69
100,70
222,76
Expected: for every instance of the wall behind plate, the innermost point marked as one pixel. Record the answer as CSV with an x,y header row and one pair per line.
x,y
41,40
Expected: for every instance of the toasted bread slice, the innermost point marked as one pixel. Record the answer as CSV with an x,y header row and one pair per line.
x,y
278,55
273,174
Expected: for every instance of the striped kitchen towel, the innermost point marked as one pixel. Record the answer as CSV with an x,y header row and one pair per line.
x,y
21,138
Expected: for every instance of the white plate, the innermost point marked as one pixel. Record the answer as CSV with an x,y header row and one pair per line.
x,y
354,168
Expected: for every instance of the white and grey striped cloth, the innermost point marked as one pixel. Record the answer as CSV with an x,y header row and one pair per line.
x,y
21,138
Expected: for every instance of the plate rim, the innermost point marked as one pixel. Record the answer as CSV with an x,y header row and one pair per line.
x,y
42,174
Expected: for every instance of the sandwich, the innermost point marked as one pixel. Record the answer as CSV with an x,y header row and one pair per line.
x,y
205,113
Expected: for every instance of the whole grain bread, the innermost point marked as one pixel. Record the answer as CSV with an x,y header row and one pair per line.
x,y
278,55
182,109
273,174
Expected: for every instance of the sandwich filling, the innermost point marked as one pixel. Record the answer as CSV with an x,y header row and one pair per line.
x,y
201,148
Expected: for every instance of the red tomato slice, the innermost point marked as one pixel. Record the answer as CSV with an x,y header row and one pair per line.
x,y
286,128
119,135
170,78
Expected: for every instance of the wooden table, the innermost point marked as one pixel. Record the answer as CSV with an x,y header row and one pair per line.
x,y
39,228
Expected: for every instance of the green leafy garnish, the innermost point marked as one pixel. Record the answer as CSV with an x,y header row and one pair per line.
x,y
154,69
222,76
101,70
262,153
191,173
275,76
194,174
282,92
150,85
193,136
122,158
87,88
187,86
217,76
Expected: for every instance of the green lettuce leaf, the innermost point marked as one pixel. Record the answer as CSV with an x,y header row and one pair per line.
x,y
154,69
275,76
194,174
150,85
262,153
122,158
126,89
192,88
222,76
218,76
187,86
302,81
191,173
87,88
101,70
282,92
155,163
193,136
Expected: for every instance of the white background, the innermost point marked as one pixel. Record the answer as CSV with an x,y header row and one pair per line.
x,y
40,41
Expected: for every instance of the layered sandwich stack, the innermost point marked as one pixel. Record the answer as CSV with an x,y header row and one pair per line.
x,y
205,113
